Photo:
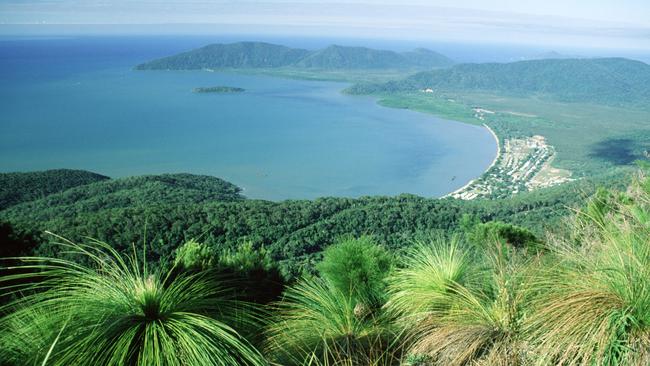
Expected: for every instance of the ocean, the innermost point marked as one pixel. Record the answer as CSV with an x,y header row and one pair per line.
x,y
76,102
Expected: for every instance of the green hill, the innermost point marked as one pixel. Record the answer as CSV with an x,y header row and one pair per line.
x,y
16,188
234,55
142,191
264,55
422,57
612,81
176,208
340,57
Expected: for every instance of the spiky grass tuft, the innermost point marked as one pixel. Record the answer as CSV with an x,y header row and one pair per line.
x,y
422,288
460,308
116,312
318,324
593,306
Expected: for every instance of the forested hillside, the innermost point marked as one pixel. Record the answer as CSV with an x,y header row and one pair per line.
x,y
142,191
169,210
250,55
236,55
340,57
612,81
21,187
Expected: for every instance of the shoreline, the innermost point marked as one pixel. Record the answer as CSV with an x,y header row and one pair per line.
x,y
494,161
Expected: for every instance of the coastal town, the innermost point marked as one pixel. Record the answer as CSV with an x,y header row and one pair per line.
x,y
522,164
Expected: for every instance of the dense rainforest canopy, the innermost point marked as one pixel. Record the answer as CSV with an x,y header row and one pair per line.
x,y
168,210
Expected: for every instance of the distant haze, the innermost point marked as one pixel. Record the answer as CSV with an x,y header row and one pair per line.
x,y
610,24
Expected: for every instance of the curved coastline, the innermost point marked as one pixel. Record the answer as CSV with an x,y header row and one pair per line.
x,y
469,183
496,158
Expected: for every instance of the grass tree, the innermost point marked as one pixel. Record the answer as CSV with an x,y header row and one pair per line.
x,y
115,311
335,319
459,307
593,306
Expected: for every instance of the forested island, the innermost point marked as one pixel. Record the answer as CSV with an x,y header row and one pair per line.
x,y
218,90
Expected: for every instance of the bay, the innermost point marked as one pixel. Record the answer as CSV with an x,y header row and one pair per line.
x,y
77,103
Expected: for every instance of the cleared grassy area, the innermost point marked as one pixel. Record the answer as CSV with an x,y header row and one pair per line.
x,y
588,138
344,75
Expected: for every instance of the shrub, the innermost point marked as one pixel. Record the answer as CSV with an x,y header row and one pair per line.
x,y
336,319
485,234
194,256
358,267
257,278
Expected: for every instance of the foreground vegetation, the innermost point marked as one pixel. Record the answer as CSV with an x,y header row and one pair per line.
x,y
493,294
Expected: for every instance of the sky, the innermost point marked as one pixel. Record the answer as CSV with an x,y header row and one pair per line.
x,y
621,24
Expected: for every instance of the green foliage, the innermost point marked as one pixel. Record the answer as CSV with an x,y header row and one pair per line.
x,y
246,258
168,211
194,256
257,277
612,81
459,306
585,301
485,234
316,321
14,243
341,57
255,55
141,191
421,288
593,306
357,266
117,312
420,359
16,188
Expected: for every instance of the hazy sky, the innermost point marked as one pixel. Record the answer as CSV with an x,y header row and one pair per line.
x,y
597,23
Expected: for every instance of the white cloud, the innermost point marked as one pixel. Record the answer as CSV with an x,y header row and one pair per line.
x,y
549,21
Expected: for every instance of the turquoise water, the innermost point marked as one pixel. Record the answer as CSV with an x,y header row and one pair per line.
x,y
86,109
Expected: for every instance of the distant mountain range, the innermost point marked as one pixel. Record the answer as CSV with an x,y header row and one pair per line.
x,y
550,55
612,81
603,80
266,55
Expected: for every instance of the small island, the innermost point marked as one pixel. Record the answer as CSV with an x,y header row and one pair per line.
x,y
218,89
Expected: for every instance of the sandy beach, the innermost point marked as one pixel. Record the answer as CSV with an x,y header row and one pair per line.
x,y
494,161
